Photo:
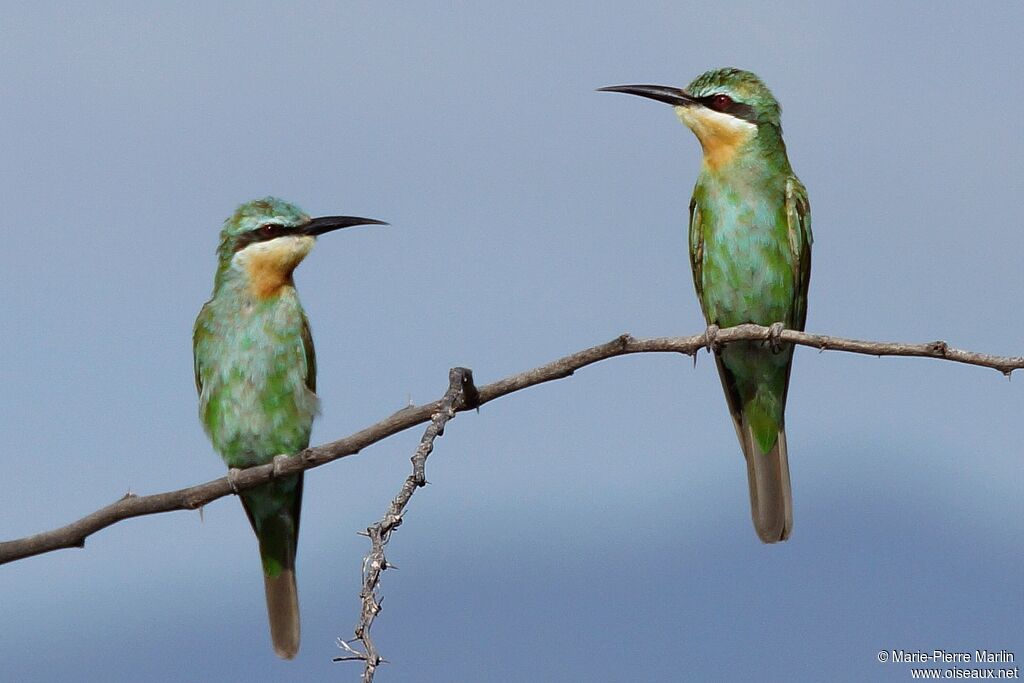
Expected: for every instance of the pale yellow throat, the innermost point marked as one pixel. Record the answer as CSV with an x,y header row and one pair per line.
x,y
721,135
269,265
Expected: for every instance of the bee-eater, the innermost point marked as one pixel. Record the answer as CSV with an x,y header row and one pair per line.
x,y
256,376
750,251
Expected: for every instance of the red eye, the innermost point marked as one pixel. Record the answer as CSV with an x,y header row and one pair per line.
x,y
721,102
269,230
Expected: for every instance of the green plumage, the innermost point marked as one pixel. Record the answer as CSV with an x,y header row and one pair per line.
x,y
750,251
256,375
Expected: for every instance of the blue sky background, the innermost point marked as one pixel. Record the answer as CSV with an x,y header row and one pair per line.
x,y
591,529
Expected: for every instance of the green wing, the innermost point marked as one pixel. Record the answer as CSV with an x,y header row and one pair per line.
x,y
697,250
798,214
199,335
307,347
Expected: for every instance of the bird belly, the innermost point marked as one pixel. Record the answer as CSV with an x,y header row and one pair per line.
x,y
747,275
255,402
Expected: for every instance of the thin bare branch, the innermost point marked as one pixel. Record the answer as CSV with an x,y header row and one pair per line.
x,y
130,505
461,395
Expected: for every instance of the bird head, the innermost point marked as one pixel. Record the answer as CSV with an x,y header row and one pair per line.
x,y
725,108
266,239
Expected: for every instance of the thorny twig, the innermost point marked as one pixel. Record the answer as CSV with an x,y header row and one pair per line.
x,y
461,395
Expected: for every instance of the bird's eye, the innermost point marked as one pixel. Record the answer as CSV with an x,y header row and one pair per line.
x,y
269,230
721,102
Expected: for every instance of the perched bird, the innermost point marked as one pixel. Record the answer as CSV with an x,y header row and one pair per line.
x,y
256,376
750,250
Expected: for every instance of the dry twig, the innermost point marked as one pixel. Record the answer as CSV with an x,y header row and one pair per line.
x,y
130,505
461,395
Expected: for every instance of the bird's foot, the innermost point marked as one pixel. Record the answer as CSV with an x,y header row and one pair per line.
x,y
775,336
711,339
278,460
233,473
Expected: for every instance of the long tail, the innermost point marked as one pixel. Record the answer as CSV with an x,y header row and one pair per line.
x,y
273,510
283,612
771,499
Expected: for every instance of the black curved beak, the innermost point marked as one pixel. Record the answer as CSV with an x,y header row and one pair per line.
x,y
324,224
677,97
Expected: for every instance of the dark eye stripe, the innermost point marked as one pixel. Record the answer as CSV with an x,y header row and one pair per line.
x,y
733,108
267,231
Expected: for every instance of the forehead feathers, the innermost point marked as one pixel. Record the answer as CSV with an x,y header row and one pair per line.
x,y
741,86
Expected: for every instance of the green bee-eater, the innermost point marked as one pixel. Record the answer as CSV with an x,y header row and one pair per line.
x,y
750,250
256,376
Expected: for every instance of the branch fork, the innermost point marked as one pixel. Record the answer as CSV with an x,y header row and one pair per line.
x,y
73,535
